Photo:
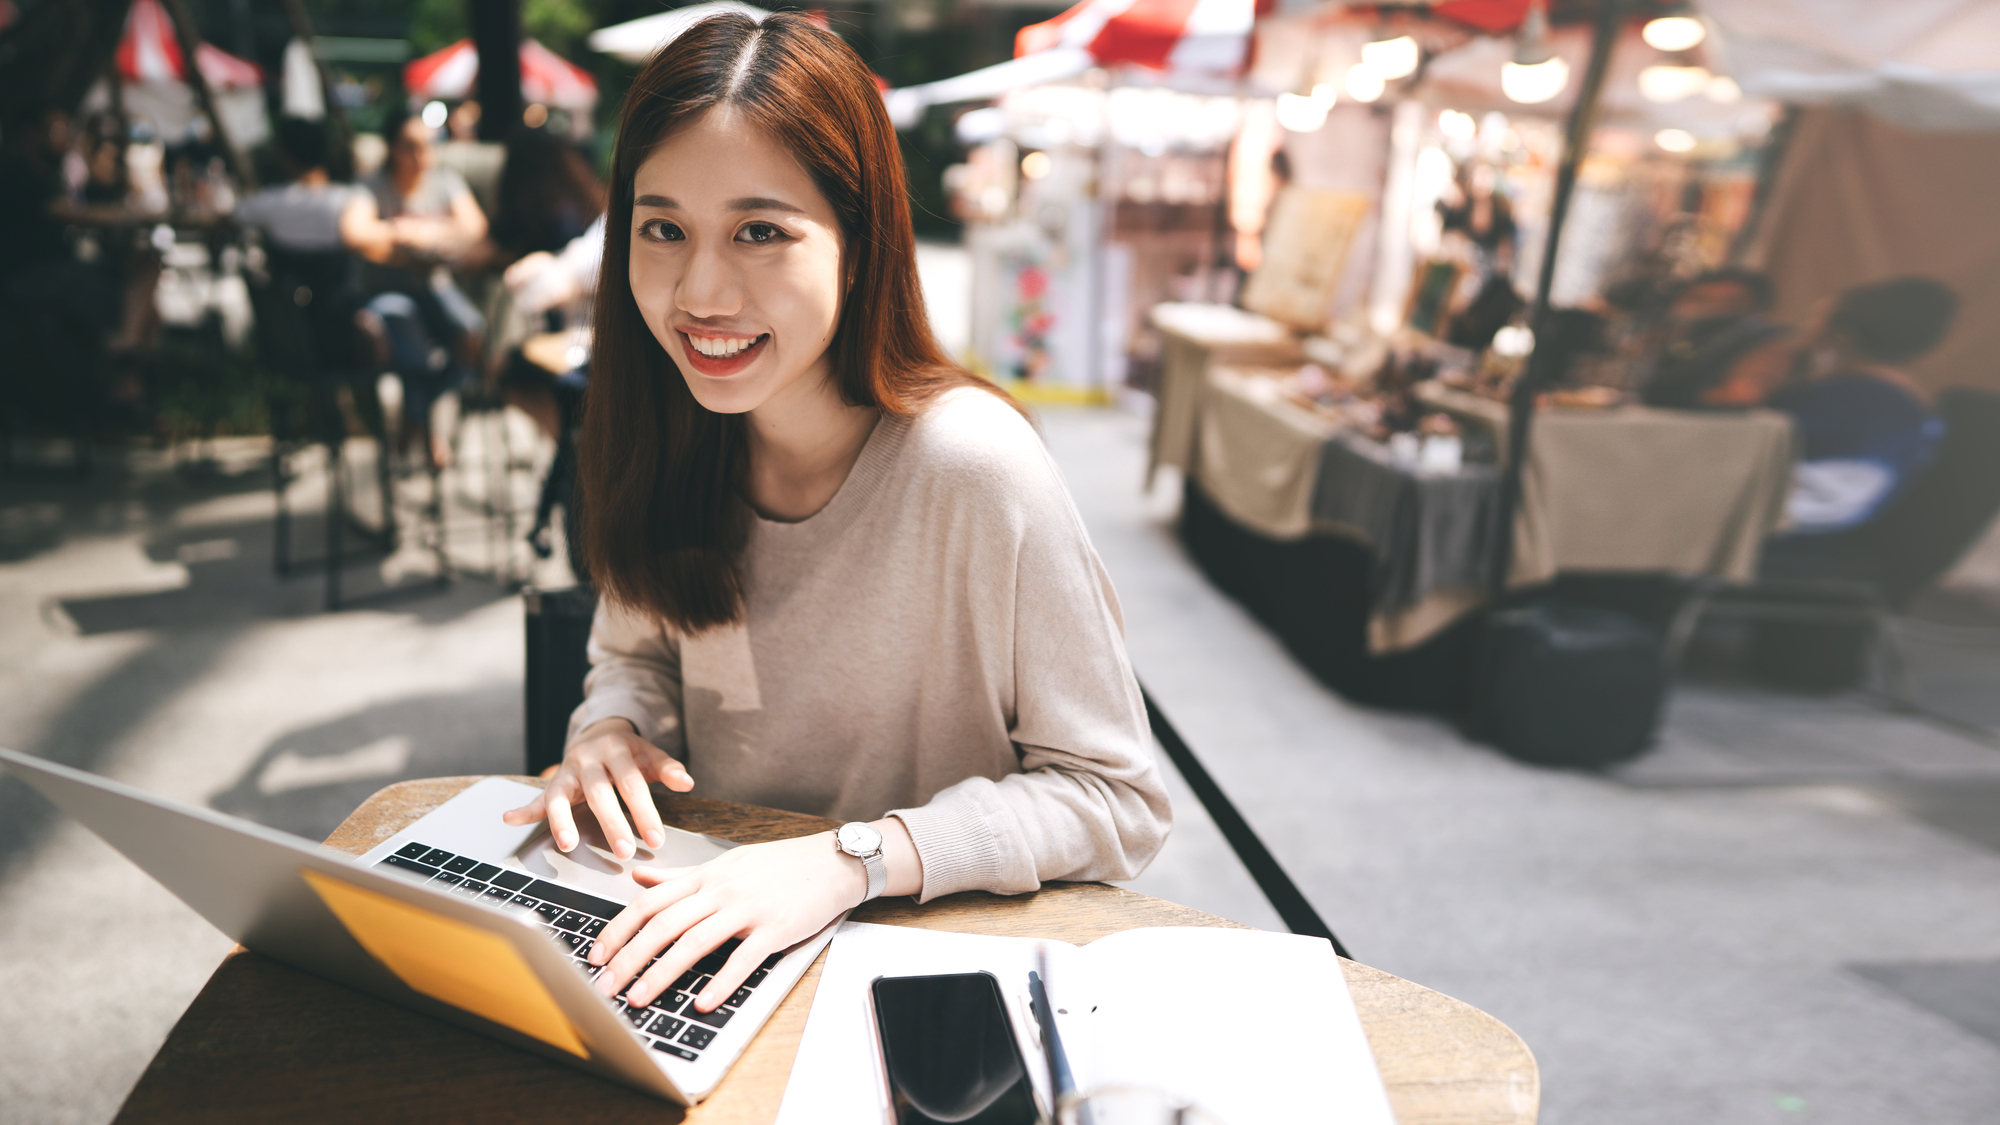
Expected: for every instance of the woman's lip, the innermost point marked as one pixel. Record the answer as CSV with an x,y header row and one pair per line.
x,y
718,366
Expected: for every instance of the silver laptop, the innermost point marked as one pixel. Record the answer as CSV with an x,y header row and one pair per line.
x,y
458,916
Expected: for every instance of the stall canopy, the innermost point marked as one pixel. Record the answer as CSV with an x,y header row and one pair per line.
x,y
635,41
546,77
1188,39
153,76
149,52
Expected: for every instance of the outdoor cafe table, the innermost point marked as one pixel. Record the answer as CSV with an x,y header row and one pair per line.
x,y
1626,490
265,1042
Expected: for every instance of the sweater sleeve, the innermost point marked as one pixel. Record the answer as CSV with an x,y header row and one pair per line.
x,y
1088,802
635,674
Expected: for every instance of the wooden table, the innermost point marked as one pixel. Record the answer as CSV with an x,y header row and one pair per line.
x,y
265,1042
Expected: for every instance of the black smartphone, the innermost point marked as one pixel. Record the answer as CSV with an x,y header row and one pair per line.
x,y
950,1051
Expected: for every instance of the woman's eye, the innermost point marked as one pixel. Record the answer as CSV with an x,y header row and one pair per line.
x,y
761,232
660,230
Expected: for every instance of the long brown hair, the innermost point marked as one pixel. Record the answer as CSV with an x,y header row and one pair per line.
x,y
661,477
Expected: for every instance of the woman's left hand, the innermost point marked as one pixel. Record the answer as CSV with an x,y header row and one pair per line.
x,y
772,896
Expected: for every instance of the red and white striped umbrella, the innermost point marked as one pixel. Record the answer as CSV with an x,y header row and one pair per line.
x,y
546,77
149,52
1189,36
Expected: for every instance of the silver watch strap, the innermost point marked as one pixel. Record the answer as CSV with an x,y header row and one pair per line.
x,y
878,875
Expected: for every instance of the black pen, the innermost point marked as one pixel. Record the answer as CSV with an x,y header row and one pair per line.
x,y
1061,1081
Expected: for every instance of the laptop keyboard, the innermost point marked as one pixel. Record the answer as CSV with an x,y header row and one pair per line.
x,y
572,918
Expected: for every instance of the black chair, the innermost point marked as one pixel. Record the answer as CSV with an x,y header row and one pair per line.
x,y
303,305
1821,620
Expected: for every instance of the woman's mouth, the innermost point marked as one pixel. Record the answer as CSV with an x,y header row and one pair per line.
x,y
722,355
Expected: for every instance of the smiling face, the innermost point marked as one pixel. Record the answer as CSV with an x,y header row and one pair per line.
x,y
736,264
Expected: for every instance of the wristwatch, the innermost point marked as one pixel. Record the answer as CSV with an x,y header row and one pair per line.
x,y
862,841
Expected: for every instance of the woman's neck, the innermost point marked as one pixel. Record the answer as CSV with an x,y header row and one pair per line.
x,y
803,443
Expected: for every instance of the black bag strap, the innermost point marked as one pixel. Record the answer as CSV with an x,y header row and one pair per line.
x,y
1277,886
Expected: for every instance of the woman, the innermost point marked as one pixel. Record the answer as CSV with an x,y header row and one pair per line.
x,y
841,575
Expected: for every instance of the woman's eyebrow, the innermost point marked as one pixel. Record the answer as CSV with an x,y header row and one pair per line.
x,y
749,203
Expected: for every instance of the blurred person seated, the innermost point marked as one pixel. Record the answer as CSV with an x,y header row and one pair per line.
x,y
409,222
1720,348
1864,426
549,200
303,214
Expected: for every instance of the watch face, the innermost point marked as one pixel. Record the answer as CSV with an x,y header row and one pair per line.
x,y
856,838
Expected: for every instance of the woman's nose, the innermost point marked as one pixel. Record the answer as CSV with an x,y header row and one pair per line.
x,y
710,287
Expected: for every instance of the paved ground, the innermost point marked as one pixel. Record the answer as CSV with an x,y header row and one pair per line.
x,y
1790,912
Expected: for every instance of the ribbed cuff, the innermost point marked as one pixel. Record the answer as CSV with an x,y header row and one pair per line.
x,y
958,850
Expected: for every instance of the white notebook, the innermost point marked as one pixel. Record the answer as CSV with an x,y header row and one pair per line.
x,y
1257,1028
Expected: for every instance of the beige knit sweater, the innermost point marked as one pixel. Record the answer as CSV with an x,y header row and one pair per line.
x,y
940,643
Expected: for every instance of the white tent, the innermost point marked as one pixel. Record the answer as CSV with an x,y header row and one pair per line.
x,y
635,41
1921,64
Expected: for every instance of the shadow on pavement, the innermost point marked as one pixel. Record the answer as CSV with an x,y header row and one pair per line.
x,y
308,780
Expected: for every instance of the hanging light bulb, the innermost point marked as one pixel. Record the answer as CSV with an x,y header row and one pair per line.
x,y
1391,58
1305,113
1673,33
1535,74
1363,83
1458,126
1665,83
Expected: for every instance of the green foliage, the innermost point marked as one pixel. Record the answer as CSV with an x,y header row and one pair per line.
x,y
561,25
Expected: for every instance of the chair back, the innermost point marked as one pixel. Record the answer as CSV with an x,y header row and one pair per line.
x,y
1948,506
304,306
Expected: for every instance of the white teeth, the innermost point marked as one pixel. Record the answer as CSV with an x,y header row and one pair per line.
x,y
720,349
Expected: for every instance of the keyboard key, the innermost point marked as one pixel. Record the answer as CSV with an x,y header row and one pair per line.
x,y
716,1018
550,911
569,939
470,889
571,920
637,1016
670,1001
512,880
756,978
484,872
667,1026
736,1000
448,877
582,951
498,894
717,957
574,899
698,1037
524,900
437,857
686,981
771,962
592,928
401,863
665,1047
699,984
460,864
413,850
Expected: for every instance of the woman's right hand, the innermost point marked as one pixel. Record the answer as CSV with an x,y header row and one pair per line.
x,y
606,764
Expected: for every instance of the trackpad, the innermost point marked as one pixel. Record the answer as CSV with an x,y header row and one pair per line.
x,y
593,868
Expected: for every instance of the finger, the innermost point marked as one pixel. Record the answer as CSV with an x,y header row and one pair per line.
x,y
659,937
602,796
630,777
529,813
562,818
621,929
691,945
734,972
654,876
673,775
